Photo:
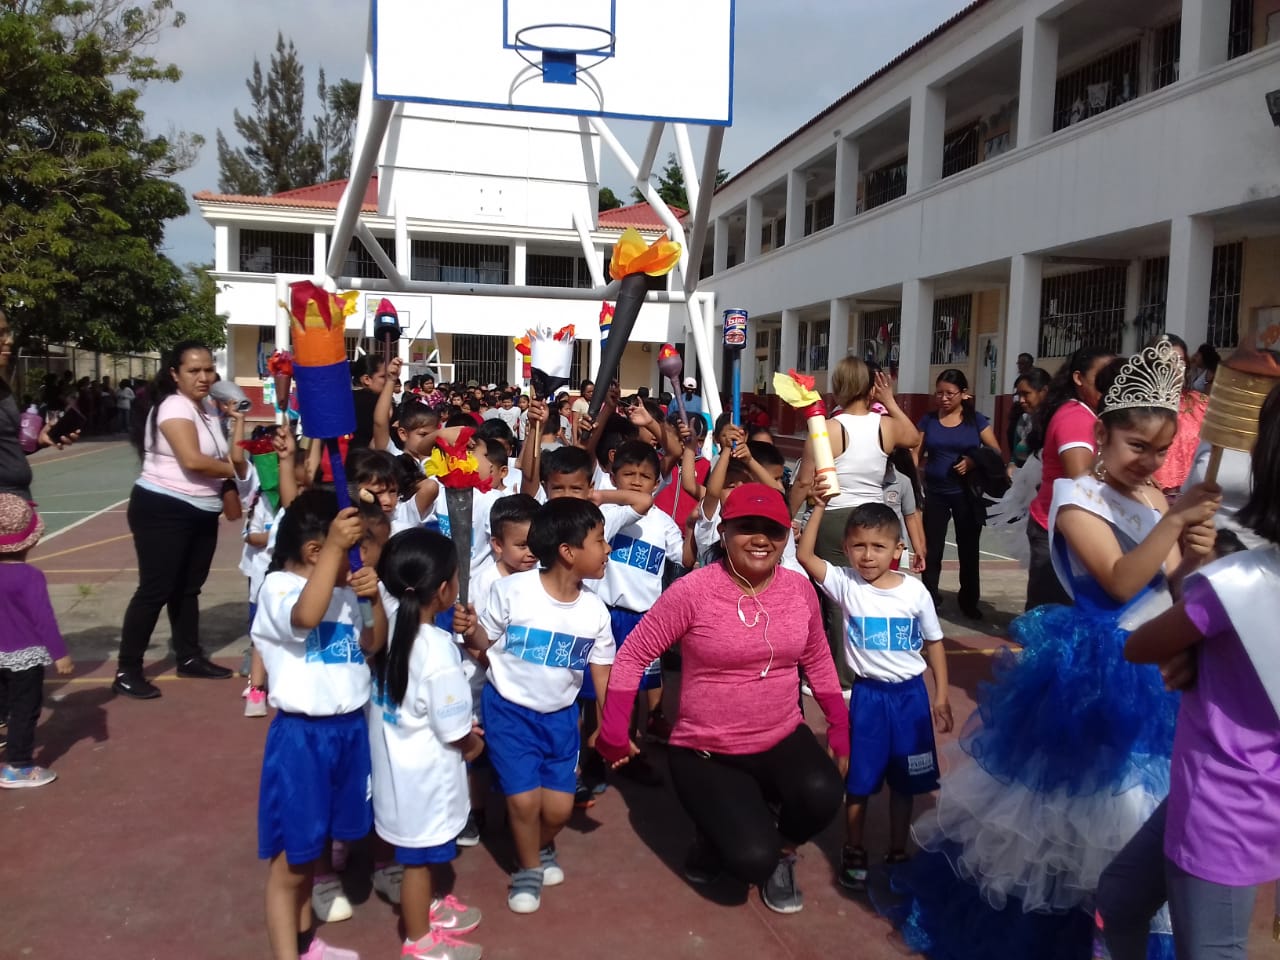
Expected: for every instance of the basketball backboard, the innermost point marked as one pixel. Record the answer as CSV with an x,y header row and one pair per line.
x,y
655,60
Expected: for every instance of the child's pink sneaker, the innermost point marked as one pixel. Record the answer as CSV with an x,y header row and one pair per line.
x,y
438,945
255,702
450,915
319,950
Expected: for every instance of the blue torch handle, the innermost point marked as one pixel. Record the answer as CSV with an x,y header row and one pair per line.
x,y
344,501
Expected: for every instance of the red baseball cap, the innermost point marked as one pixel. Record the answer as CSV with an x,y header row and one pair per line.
x,y
756,500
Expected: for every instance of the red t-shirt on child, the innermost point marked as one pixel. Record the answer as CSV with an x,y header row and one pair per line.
x,y
1071,427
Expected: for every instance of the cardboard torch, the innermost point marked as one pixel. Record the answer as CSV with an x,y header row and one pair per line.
x,y
797,390
262,450
1239,388
280,366
550,360
454,466
323,379
386,327
632,261
524,348
671,366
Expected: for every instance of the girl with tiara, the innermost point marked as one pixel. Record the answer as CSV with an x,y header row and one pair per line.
x,y
1068,752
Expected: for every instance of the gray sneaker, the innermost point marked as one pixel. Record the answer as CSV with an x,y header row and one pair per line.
x,y
780,893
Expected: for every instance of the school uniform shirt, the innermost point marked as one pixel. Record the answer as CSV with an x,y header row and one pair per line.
x,y
420,796
638,551
262,560
482,583
319,672
706,535
901,499
541,645
885,630
406,516
515,476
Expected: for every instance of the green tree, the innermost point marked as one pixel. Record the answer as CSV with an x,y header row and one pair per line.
x,y
671,184
608,200
280,152
336,125
84,189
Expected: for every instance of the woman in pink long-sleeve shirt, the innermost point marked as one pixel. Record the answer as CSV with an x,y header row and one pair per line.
x,y
740,743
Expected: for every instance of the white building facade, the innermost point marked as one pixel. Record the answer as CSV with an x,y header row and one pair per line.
x,y
461,196
1033,176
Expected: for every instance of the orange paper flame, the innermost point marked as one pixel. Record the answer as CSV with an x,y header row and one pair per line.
x,y
522,345
454,463
631,255
667,352
318,330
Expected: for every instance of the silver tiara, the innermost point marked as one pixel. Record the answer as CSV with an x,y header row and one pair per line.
x,y
1150,378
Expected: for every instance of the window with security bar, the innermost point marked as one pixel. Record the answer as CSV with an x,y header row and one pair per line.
x,y
1154,292
960,149
1224,295
1082,309
360,262
884,184
952,323
480,358
1240,29
1100,85
275,251
452,262
820,213
556,270
1166,48
880,337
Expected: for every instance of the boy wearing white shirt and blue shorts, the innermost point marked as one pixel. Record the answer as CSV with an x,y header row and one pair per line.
x,y
891,634
542,630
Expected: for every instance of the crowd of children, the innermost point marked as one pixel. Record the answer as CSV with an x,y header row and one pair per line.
x,y
390,698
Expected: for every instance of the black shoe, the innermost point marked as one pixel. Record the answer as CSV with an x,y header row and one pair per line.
x,y
971,612
702,865
132,683
201,668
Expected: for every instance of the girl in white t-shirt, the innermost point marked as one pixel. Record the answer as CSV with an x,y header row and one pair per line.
x,y
315,765
420,738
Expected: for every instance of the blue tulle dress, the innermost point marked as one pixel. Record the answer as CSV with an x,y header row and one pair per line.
x,y
1065,758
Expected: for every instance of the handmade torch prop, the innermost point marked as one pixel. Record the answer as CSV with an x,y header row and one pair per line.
x,y
1239,389
735,341
524,348
386,327
280,366
262,450
323,379
671,366
797,391
632,261
453,464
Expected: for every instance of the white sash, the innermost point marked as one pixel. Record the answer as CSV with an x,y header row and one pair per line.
x,y
1134,520
1247,585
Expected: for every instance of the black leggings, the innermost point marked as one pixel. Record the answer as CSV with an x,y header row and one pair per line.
x,y
729,799
1042,582
21,695
939,510
175,542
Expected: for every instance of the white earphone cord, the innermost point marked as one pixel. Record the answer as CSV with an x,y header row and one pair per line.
x,y
760,611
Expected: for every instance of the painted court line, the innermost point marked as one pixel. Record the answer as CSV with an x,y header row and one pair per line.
x,y
87,546
74,456
72,526
988,553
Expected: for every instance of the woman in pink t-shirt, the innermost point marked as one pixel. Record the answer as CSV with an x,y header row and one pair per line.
x,y
173,516
1067,428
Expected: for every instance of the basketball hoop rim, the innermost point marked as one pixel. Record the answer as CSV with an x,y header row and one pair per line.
x,y
601,50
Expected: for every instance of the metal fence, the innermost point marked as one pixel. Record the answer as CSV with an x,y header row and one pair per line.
x,y
33,364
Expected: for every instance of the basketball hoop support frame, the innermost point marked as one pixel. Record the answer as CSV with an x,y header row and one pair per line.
x,y
373,120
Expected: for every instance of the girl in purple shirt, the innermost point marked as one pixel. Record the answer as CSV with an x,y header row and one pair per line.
x,y
1218,829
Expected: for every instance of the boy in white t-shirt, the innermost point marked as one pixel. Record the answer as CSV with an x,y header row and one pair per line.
x,y
889,618
542,631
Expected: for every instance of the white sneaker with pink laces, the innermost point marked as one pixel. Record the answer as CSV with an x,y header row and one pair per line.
x,y
438,945
450,915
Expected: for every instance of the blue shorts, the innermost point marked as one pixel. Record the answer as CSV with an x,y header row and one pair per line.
x,y
623,622
253,612
529,749
315,785
891,737
421,856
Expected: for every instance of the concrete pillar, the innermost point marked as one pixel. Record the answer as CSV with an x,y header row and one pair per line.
x,y
1038,81
404,249
593,362
1022,330
917,336
1190,271
928,130
755,217
222,248
790,341
796,197
720,250
320,252
838,341
519,263
1132,304
847,161
1205,26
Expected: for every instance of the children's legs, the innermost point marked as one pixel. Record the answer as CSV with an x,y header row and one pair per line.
x,y
557,807
415,901
855,815
288,904
257,669
525,813
1210,920
653,697
900,805
25,690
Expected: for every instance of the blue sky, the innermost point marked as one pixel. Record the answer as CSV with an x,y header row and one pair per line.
x,y
792,60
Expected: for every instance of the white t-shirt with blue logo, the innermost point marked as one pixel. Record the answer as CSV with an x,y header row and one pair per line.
x,y
541,646
638,550
420,796
885,630
320,672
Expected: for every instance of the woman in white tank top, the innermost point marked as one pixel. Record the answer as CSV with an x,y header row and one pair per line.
x,y
861,441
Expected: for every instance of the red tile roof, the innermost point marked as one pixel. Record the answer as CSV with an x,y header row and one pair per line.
x,y
320,196
642,216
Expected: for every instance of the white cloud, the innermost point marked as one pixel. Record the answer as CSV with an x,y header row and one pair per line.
x,y
791,61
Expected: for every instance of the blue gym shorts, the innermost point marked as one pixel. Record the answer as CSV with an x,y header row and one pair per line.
x,y
529,749
623,622
445,852
891,738
315,785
